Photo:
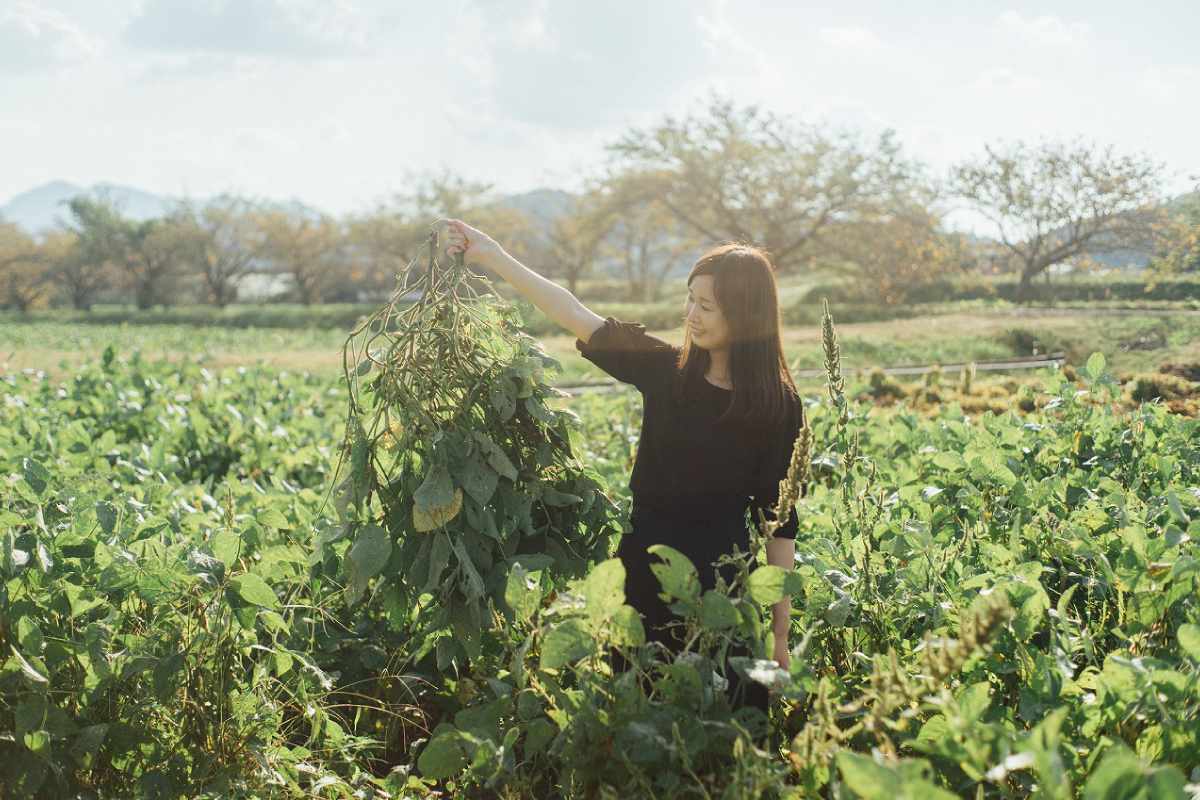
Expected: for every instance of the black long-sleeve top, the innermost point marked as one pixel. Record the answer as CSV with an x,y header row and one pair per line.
x,y
693,480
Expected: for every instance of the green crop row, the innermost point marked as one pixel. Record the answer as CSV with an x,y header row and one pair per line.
x,y
984,606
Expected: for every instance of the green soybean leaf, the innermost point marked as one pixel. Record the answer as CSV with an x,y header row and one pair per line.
x,y
676,573
1189,640
472,583
839,611
538,734
273,519
522,592
370,551
949,461
495,456
1119,775
439,557
444,756
1095,365
88,741
31,673
717,611
766,584
626,626
366,558
478,478
254,590
436,491
1176,509
537,409
503,397
867,779
29,635
566,642
604,588
226,546
37,476
106,515
974,700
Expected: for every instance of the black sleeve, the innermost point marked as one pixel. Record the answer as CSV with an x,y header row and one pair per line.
x,y
625,351
773,469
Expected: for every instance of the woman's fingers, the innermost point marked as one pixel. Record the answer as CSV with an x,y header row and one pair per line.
x,y
456,240
460,238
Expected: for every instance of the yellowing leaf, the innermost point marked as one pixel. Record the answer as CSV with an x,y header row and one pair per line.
x,y
429,518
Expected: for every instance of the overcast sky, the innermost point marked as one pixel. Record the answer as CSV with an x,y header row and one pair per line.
x,y
333,102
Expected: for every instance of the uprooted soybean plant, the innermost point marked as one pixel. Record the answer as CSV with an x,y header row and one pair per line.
x,y
458,470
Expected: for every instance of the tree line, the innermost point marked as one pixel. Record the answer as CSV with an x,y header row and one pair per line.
x,y
815,198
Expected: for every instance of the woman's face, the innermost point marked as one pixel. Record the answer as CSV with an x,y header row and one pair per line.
x,y
708,325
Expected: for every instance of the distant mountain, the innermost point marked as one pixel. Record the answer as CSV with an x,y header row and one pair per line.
x,y
1103,252
544,205
43,207
1139,258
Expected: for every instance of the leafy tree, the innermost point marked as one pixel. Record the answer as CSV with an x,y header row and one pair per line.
x,y
224,242
642,234
575,241
381,244
155,254
24,268
1057,201
147,255
891,255
303,247
89,267
748,175
1180,237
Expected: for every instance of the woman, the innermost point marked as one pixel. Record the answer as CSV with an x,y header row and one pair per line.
x,y
720,416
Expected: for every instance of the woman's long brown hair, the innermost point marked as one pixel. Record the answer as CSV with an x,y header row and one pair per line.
x,y
744,283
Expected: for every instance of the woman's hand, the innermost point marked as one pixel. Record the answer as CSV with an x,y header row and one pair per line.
x,y
475,245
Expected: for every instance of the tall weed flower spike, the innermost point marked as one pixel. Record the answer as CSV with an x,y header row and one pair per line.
x,y
833,367
797,476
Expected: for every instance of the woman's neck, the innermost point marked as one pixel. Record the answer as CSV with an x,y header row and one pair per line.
x,y
718,365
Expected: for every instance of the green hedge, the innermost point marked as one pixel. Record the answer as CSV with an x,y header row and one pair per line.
x,y
274,315
1131,289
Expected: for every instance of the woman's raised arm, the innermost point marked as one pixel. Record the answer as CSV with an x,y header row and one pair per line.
x,y
555,301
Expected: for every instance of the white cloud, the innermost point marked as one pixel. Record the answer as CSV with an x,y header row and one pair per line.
x,y
234,94
735,55
854,38
298,29
1168,84
531,29
1005,79
1047,30
599,65
20,127
33,38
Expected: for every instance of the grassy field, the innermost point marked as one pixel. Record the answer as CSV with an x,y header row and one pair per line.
x,y
1133,342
